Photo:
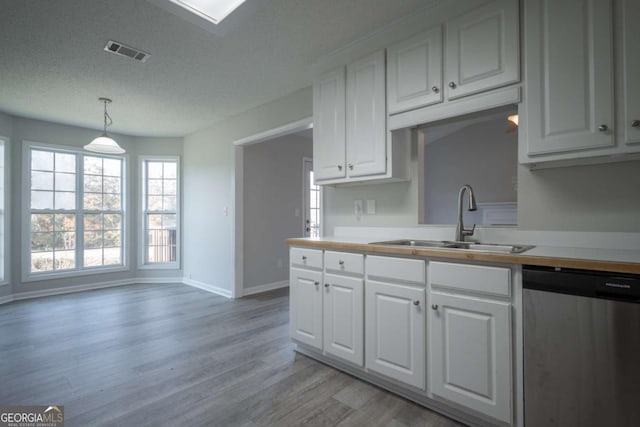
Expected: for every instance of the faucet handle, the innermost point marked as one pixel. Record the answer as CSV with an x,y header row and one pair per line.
x,y
467,232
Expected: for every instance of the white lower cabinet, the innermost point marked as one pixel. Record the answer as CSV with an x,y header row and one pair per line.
x,y
395,319
305,305
470,339
344,318
395,332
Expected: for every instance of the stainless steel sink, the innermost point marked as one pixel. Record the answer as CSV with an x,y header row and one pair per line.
x,y
469,246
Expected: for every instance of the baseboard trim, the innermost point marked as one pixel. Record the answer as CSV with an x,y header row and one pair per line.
x,y
71,289
6,299
208,287
158,280
264,288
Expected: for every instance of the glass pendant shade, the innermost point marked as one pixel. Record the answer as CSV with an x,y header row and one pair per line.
x,y
104,143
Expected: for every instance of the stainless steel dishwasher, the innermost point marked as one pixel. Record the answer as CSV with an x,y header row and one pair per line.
x,y
581,348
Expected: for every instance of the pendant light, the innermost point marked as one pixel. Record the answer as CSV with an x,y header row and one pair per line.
x,y
104,143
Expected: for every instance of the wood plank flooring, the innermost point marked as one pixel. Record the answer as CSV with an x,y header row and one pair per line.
x,y
173,355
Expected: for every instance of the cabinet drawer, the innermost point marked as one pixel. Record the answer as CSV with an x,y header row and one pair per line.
x,y
396,269
310,258
344,262
474,278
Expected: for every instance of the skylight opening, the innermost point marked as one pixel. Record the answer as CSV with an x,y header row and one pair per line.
x,y
213,11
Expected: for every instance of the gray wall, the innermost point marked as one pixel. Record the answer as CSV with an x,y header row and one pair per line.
x,y
483,155
273,192
209,173
52,133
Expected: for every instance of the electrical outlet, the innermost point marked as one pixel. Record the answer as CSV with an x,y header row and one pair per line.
x,y
371,207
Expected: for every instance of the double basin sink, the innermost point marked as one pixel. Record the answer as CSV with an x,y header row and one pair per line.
x,y
470,246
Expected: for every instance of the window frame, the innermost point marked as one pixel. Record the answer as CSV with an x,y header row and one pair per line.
x,y
5,231
143,264
27,274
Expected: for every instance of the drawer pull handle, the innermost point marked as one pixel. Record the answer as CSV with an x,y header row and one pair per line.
x,y
603,128
635,123
304,258
341,262
316,283
326,285
416,303
452,85
435,89
434,306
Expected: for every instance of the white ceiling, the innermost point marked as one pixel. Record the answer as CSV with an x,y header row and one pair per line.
x,y
53,67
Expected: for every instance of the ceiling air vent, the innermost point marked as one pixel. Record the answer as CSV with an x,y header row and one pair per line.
x,y
128,51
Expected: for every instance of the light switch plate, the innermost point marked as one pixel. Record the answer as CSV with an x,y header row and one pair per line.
x,y
371,207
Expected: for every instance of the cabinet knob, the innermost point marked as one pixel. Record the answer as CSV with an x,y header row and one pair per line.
x,y
452,85
316,283
635,123
603,128
351,166
341,262
434,306
326,285
304,258
339,167
416,302
435,89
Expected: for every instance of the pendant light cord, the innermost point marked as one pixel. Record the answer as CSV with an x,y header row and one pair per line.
x,y
106,116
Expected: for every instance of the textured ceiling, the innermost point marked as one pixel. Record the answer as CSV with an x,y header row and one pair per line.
x,y
53,67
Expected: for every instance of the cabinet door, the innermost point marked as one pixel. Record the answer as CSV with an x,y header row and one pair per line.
x,y
414,72
569,84
483,49
395,332
470,353
305,304
630,11
329,126
344,318
366,116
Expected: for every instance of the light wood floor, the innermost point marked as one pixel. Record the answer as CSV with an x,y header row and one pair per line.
x,y
175,355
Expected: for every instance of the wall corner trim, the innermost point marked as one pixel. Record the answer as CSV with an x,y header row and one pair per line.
x,y
208,287
264,288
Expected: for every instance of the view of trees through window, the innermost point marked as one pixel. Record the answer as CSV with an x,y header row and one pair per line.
x,y
62,231
160,206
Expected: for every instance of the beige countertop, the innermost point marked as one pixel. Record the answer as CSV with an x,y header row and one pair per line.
x,y
614,260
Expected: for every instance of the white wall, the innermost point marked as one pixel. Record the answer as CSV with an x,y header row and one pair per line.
x,y
52,133
6,130
209,170
273,192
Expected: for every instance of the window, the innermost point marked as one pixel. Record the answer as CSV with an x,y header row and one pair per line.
x,y
76,210
160,208
311,201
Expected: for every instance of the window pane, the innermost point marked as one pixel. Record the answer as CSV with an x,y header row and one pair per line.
x,y
92,257
92,201
65,200
65,162
154,203
65,260
92,165
41,242
65,181
170,169
111,202
92,239
92,221
111,239
154,221
64,240
112,256
41,222
112,221
112,167
65,222
42,200
42,261
41,180
169,203
111,185
169,221
154,186
154,169
169,187
41,160
93,183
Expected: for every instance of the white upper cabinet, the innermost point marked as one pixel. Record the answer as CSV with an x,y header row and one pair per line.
x,y
629,11
414,72
329,135
569,79
482,49
366,116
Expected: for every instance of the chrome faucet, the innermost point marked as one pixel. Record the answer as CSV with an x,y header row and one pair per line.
x,y
461,232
